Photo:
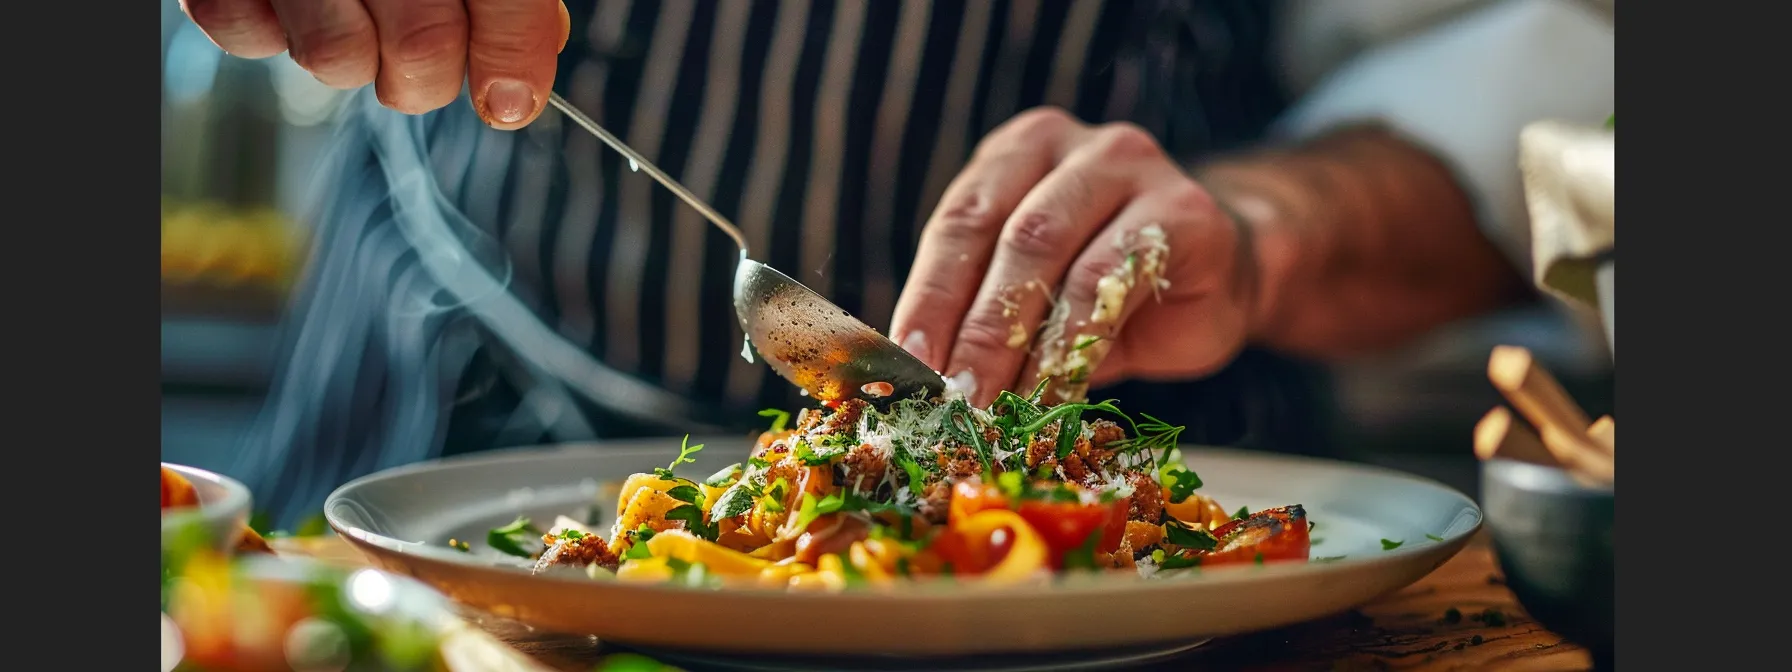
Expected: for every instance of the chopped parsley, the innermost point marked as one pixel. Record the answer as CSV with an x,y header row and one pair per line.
x,y
1434,537
1452,615
813,508
1178,480
1258,559
915,476
1388,545
1243,512
509,539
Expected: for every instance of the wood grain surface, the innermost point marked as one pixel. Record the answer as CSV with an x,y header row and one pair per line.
x,y
1461,617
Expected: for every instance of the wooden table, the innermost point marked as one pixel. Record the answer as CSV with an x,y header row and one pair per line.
x,y
1440,623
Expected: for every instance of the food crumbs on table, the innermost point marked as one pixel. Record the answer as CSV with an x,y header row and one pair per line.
x,y
1493,617
1459,646
1495,580
1476,640
460,545
1388,545
1452,615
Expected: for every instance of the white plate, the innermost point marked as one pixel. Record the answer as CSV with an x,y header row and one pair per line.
x,y
403,518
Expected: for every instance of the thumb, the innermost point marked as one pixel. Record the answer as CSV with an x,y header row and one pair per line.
x,y
511,54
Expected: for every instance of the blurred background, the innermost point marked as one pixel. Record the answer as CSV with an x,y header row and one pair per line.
x,y
238,146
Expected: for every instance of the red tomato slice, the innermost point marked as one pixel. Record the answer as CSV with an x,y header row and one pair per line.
x,y
1066,526
1270,535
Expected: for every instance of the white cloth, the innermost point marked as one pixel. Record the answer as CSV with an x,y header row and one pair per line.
x,y
1459,77
1570,174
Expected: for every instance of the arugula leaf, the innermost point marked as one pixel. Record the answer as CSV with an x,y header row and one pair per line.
x,y
1190,538
961,424
687,494
1084,341
1243,512
1387,545
1434,537
734,501
570,534
758,462
780,418
723,477
694,521
1069,430
1039,390
508,539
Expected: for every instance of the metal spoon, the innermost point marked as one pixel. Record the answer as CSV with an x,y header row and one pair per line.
x,y
805,338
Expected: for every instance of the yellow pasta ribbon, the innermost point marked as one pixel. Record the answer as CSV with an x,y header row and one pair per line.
x,y
716,557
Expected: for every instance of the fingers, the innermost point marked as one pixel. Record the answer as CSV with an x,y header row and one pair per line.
x,y
511,53
334,40
1035,248
422,52
242,28
959,238
1194,325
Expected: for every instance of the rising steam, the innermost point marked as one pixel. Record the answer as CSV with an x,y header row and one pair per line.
x,y
402,291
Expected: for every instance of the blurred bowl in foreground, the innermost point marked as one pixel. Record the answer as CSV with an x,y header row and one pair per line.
x,y
222,515
1553,536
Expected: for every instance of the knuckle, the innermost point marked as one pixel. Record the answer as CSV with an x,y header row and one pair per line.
x,y
983,332
436,41
336,50
1081,281
1046,119
215,15
1034,234
961,222
1125,141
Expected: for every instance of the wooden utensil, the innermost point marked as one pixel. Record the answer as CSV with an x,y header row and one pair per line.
x,y
1499,435
1605,431
1561,424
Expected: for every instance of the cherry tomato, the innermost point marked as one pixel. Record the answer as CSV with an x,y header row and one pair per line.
x,y
950,547
1270,535
1066,526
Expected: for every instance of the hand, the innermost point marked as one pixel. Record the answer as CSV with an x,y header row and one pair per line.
x,y
416,53
1079,254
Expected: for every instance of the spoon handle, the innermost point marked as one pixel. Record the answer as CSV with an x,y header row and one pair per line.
x,y
653,171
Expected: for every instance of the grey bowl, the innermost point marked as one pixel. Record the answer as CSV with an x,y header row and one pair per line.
x,y
1553,537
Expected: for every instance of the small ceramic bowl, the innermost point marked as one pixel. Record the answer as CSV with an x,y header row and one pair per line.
x,y
1553,536
223,511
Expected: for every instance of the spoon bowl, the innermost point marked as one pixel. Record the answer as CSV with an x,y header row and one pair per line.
x,y
819,346
804,337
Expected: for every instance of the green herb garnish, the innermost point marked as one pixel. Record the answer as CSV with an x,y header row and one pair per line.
x,y
1434,537
508,539
1388,545
685,451
459,545
779,417
1243,512
734,501
1085,340
1083,557
1189,538
1177,561
1179,481
637,550
727,475
1328,558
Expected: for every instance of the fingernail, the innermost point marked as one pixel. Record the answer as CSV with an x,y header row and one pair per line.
x,y
916,344
508,101
962,383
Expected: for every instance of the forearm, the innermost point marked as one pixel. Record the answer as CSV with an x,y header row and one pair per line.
x,y
1361,242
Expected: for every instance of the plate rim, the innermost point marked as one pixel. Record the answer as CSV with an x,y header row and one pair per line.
x,y
1114,585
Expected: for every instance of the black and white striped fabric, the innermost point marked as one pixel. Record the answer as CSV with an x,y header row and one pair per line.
x,y
826,129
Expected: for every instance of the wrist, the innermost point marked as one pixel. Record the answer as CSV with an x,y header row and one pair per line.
x,y
1265,207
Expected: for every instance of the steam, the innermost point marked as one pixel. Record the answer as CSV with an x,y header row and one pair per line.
x,y
402,291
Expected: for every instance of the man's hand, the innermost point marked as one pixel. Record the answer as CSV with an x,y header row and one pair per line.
x,y
416,53
1076,253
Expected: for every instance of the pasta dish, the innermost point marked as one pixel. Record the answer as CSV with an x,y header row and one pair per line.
x,y
849,496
